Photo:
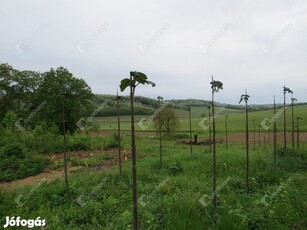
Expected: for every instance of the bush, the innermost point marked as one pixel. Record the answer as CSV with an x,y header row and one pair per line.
x,y
175,168
16,164
291,164
290,152
12,149
293,161
78,142
113,142
14,168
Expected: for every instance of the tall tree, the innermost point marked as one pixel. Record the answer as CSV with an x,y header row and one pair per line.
x,y
18,91
61,89
66,99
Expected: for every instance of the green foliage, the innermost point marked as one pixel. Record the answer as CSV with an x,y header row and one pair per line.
x,y
112,142
172,201
167,119
9,120
124,84
289,152
40,97
78,142
12,149
16,164
216,85
175,168
64,94
136,78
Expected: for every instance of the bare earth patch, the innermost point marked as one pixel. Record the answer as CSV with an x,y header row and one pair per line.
x,y
48,174
264,138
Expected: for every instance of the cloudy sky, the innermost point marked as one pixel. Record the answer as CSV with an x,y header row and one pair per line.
x,y
258,45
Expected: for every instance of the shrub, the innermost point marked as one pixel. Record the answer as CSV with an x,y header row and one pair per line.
x,y
16,164
12,149
175,168
113,142
14,168
79,142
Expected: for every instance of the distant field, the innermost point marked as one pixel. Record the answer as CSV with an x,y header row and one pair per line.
x,y
236,120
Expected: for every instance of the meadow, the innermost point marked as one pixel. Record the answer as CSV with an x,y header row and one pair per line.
x,y
235,120
174,196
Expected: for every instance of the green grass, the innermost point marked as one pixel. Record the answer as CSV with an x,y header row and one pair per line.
x,y
173,192
235,120
92,160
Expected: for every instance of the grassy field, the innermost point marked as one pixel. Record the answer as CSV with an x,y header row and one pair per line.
x,y
235,120
176,196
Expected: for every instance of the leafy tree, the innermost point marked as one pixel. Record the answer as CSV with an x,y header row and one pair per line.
x,y
67,100
168,121
63,92
9,120
6,84
18,91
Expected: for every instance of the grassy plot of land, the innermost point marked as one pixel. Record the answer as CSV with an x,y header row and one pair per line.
x,y
176,196
199,124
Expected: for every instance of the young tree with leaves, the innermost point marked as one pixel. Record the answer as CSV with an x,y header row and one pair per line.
x,y
118,99
216,86
245,97
133,81
285,90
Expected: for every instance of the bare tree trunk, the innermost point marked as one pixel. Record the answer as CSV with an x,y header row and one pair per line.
x,y
210,131
190,116
247,147
65,154
214,154
133,147
285,125
119,141
275,140
254,129
292,125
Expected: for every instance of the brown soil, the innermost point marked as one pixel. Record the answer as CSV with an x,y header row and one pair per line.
x,y
48,174
239,138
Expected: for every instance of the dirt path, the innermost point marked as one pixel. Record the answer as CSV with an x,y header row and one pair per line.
x,y
31,180
49,175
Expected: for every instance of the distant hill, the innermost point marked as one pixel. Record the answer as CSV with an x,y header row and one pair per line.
x,y
147,106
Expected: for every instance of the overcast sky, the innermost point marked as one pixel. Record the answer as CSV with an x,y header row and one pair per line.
x,y
258,45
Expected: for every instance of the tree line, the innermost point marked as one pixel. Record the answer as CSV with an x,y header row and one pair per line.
x,y
37,98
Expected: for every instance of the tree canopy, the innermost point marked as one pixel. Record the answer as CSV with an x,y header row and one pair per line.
x,y
168,120
44,96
